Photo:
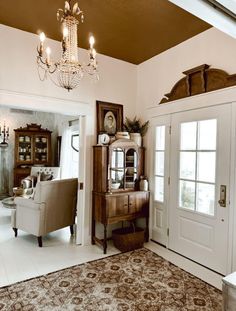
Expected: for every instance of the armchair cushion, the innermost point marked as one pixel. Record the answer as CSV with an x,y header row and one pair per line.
x,y
28,203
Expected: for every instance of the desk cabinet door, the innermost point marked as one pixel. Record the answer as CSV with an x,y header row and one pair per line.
x,y
138,202
117,205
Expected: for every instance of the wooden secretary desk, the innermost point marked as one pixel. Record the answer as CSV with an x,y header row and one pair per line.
x,y
116,195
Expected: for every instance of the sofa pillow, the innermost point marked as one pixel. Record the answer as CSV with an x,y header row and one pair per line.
x,y
46,177
29,182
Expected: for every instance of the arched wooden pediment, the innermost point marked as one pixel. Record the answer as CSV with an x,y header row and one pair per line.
x,y
199,80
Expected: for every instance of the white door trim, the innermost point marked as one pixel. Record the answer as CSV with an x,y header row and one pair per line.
x,y
44,103
218,97
232,214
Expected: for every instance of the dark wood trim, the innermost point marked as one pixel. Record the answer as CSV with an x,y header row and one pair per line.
x,y
198,80
72,229
16,231
40,241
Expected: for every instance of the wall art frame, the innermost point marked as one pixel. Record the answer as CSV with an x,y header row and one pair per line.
x,y
109,118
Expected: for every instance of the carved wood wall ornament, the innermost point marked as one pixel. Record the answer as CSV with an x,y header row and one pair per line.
x,y
199,80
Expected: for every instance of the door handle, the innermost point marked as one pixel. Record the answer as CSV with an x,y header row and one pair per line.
x,y
222,200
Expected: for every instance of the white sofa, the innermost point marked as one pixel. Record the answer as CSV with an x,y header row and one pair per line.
x,y
53,207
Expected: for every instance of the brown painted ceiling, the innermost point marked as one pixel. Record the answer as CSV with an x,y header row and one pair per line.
x,y
131,30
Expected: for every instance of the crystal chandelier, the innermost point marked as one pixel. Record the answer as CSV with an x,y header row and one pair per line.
x,y
67,71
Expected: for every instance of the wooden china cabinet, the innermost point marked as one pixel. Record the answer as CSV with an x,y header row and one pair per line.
x,y
116,195
32,147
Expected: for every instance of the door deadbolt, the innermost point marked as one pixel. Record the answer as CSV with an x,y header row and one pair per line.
x,y
222,200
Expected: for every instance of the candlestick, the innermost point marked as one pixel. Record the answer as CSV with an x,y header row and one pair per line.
x,y
4,133
42,38
48,52
65,32
91,42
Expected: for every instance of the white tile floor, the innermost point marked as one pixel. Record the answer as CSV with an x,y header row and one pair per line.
x,y
22,259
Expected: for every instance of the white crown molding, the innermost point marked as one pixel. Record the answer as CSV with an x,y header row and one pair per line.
x,y
43,103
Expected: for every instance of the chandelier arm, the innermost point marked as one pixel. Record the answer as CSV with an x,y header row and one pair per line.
x,y
51,71
46,66
44,76
40,60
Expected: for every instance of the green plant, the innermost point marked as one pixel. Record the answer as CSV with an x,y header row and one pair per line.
x,y
135,126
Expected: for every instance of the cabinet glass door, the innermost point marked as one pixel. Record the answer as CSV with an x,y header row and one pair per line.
x,y
41,148
24,149
131,168
117,169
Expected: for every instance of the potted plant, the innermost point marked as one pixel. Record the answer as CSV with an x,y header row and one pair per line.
x,y
136,129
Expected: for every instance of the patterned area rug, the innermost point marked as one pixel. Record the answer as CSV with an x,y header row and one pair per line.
x,y
137,281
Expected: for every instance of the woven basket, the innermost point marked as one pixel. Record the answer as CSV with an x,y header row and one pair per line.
x,y
128,239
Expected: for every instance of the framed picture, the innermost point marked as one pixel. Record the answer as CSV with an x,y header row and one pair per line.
x,y
109,118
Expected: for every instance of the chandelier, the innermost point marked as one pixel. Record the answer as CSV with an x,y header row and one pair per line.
x,y
67,71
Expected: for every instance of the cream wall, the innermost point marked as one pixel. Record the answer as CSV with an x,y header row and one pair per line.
x,y
20,87
19,72
136,87
158,75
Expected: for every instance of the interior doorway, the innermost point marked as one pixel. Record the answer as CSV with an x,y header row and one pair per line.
x,y
75,109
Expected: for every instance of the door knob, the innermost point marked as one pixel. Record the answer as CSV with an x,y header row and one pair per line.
x,y
221,202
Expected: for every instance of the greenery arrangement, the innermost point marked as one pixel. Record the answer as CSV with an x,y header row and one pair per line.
x,y
135,126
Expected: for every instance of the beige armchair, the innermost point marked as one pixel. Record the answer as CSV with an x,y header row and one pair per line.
x,y
53,207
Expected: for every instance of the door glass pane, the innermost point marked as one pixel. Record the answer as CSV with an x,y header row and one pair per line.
x,y
205,198
187,194
207,135
159,163
188,136
187,165
160,137
159,189
206,166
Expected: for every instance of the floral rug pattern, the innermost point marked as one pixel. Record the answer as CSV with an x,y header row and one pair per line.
x,y
134,281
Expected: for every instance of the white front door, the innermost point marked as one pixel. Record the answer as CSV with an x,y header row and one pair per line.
x,y
199,179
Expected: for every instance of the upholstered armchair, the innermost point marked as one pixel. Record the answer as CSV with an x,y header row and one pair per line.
x,y
53,207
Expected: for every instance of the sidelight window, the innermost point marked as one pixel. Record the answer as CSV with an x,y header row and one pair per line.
x,y
159,163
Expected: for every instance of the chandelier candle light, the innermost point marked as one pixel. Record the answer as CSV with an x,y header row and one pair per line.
x,y
68,71
4,135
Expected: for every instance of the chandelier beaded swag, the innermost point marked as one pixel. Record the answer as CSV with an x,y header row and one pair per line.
x,y
67,71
